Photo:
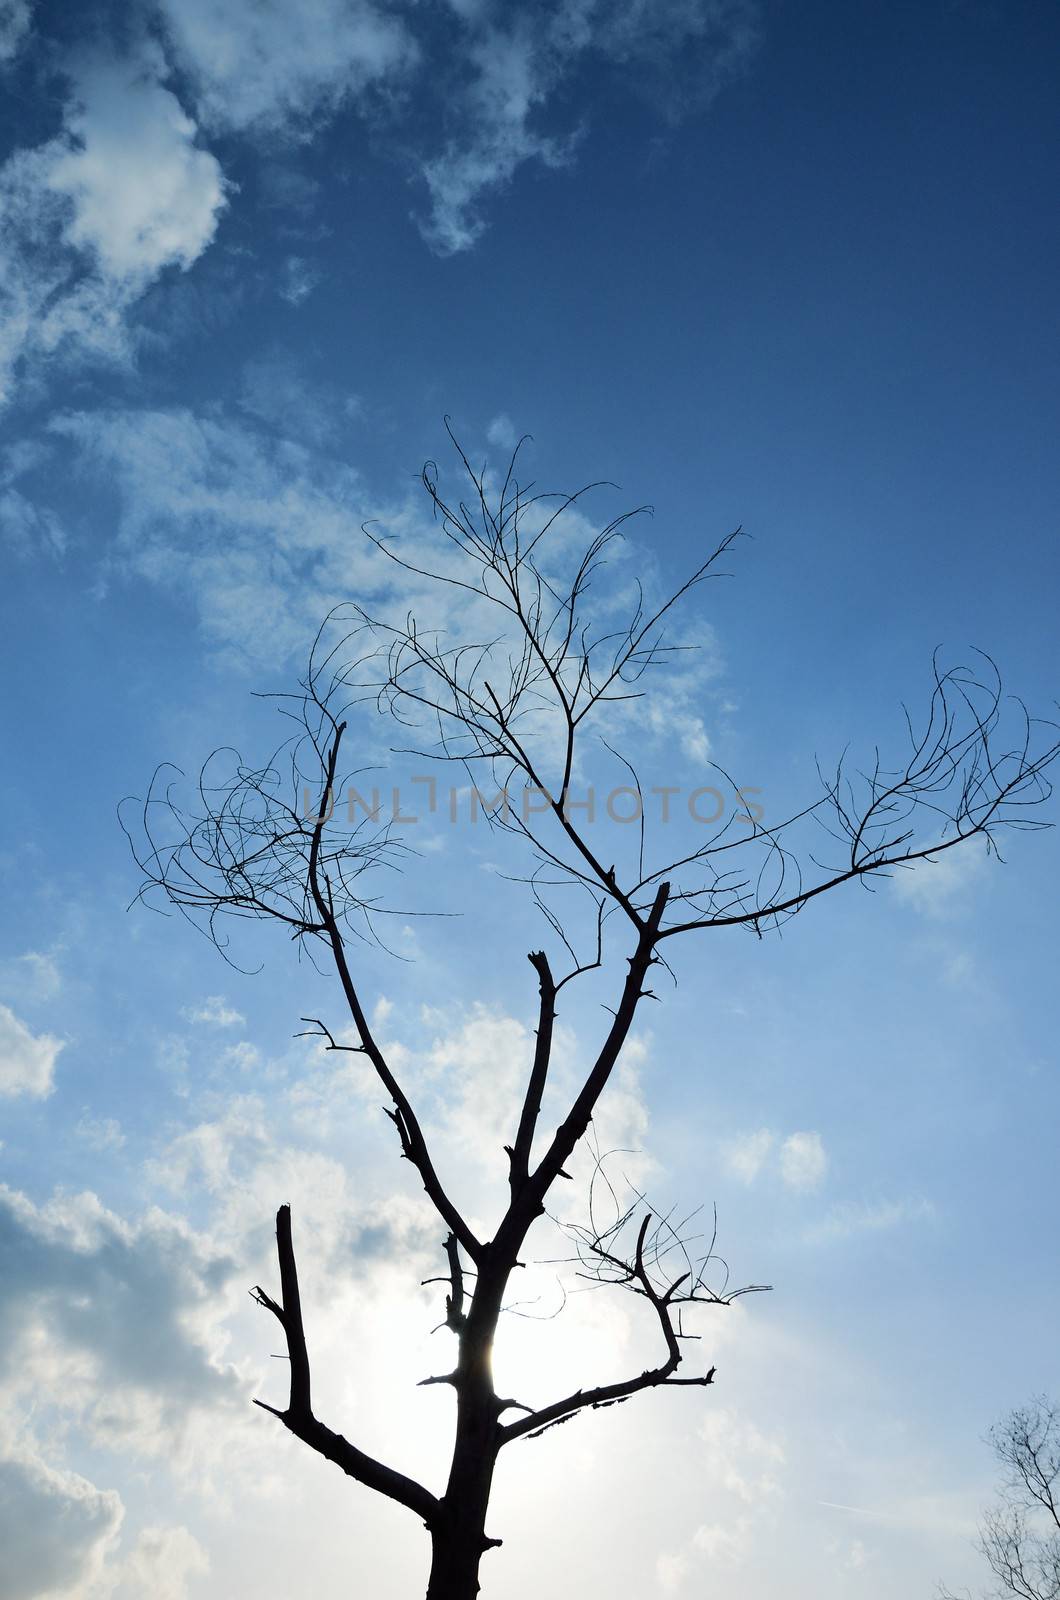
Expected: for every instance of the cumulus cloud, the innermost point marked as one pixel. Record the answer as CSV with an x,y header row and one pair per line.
x,y
27,1060
142,196
93,216
121,1311
55,1528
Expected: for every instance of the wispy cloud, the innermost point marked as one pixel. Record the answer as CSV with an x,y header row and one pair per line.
x,y
27,1060
32,976
99,1133
851,1218
285,65
680,53
942,887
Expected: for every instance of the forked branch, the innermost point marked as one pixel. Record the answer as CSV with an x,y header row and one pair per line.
x,y
298,1415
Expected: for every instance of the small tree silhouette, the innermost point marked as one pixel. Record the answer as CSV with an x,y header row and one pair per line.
x,y
517,704
1020,1536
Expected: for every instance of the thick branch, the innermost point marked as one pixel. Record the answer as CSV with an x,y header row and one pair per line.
x,y
577,1120
298,1416
520,1155
606,1394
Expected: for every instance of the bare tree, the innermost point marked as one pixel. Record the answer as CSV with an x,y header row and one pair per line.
x,y
1020,1536
516,705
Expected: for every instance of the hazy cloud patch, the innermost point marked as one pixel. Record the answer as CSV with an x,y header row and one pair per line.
x,y
216,1010
852,1218
799,1160
16,18
940,888
803,1162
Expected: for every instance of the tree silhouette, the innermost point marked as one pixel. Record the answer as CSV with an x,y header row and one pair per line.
x,y
1020,1536
515,705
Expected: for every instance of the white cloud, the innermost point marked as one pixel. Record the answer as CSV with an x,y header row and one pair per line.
x,y
803,1162
15,19
143,195
800,1159
55,1528
27,1060
92,217
746,1156
267,63
215,1009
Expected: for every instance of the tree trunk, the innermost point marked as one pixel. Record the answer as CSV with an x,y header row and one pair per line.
x,y
458,1538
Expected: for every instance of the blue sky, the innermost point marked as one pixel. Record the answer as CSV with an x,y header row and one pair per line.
x,y
790,267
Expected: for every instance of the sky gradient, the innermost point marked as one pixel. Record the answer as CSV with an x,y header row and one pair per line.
x,y
785,267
